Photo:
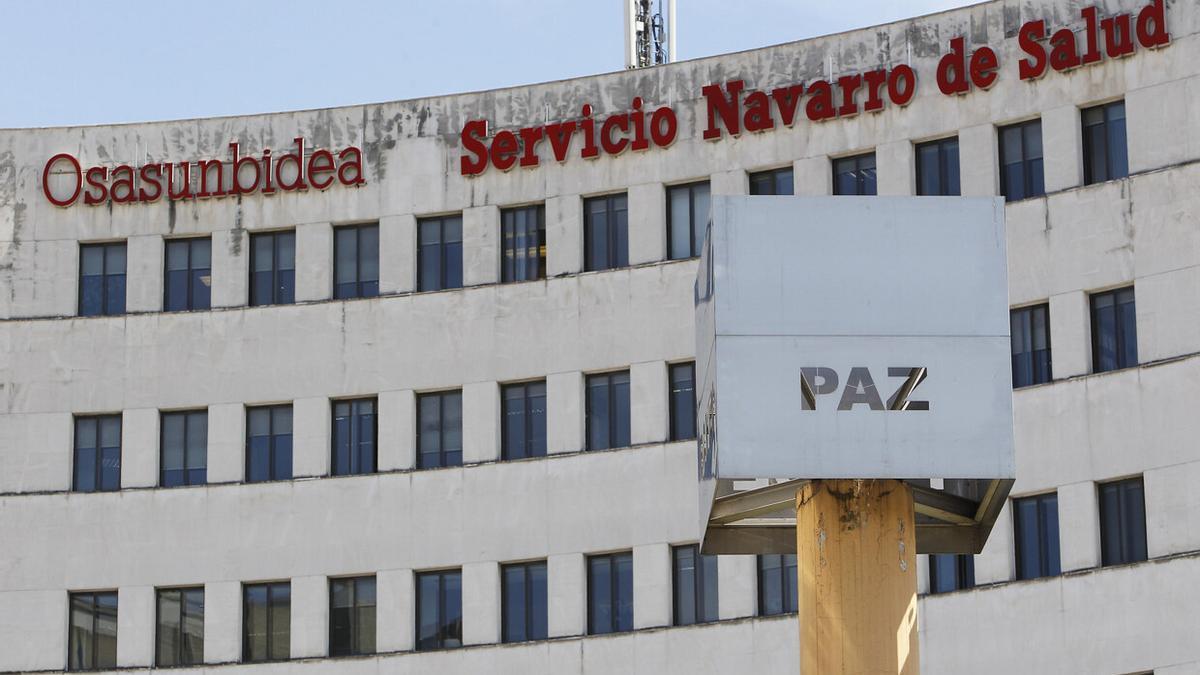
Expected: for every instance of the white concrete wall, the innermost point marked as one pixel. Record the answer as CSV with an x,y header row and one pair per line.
x,y
1069,434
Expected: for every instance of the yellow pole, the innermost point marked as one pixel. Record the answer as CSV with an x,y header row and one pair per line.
x,y
856,563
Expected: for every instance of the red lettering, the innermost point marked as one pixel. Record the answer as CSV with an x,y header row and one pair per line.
x,y
1118,40
1152,26
902,84
787,99
1091,30
268,188
663,126
186,170
238,163
588,126
610,146
95,179
951,70
529,138
875,80
203,167
983,67
145,195
475,162
820,101
351,158
725,108
758,112
849,85
319,165
297,159
1063,55
122,178
75,168
504,150
560,134
638,120
1027,37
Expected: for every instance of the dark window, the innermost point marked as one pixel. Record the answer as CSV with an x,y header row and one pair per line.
x,y
356,261
187,282
937,167
1021,174
92,642
610,593
440,253
1122,522
179,640
523,243
97,453
102,279
683,401
439,429
608,410
777,584
773,182
1105,155
273,268
687,217
854,175
523,597
1035,520
606,232
693,585
268,443
184,447
1114,330
949,572
439,610
352,616
354,428
1031,345
524,420
267,622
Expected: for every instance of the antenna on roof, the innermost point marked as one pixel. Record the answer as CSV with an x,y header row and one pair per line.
x,y
649,37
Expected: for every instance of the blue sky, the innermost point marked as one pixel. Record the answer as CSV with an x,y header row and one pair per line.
x,y
75,62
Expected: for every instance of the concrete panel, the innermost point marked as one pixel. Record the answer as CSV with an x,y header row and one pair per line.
x,y
314,255
481,603
922,576
47,441
1062,148
566,593
995,564
649,416
1078,526
139,448
652,586
397,430
33,626
310,616
226,442
813,176
896,168
1159,124
135,625
647,223
1172,509
231,268
564,235
395,611
735,182
1168,314
397,254
144,274
481,422
481,245
310,437
564,412
222,621
1070,334
737,586
980,174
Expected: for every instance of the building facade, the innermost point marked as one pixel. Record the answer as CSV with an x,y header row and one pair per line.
x,y
431,410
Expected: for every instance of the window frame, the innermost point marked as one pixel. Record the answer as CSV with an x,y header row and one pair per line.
x,y
506,452
530,610
695,238
612,420
964,572
614,594
276,270
617,256
271,587
1046,567
700,577
788,602
187,416
857,167
1031,310
943,169
94,614
105,277
271,452
1107,126
443,281
361,288
1132,545
441,608
672,404
355,441
1029,191
98,463
190,291
772,176
355,606
1121,338
441,396
508,264
178,659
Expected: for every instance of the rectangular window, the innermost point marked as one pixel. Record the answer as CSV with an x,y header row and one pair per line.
x,y
354,426
1035,522
693,585
92,639
268,443
777,584
184,448
1021,174
608,410
352,616
187,281
1114,330
1122,522
937,167
523,243
610,593
854,175
687,218
102,279
439,429
179,640
773,182
356,261
267,622
97,454
1105,153
440,253
606,232
949,572
524,420
273,268
683,401
523,598
1030,331
439,610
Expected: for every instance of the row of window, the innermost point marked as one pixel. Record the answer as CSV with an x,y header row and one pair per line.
x,y
266,609
183,435
1036,541
188,270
